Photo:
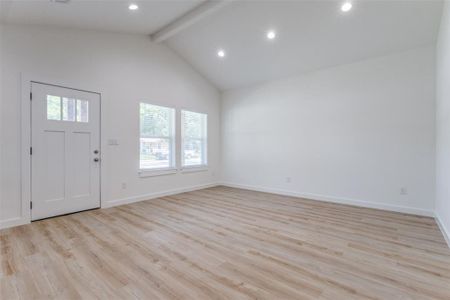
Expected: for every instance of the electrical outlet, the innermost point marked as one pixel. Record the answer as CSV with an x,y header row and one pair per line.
x,y
288,179
124,186
403,191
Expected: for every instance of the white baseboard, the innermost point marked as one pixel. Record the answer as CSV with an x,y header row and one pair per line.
x,y
21,221
129,200
444,230
340,200
13,222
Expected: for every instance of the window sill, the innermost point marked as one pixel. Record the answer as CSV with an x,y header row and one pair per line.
x,y
193,169
156,172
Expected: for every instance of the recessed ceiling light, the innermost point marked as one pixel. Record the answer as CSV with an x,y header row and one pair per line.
x,y
133,7
271,34
221,53
346,6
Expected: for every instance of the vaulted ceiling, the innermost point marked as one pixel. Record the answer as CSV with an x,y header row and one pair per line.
x,y
107,15
309,34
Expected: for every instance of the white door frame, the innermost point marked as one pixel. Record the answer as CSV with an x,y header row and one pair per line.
x,y
25,143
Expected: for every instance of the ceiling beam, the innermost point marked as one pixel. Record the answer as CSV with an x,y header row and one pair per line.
x,y
188,19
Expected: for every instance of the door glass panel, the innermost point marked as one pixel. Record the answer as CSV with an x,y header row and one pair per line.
x,y
68,112
53,108
82,111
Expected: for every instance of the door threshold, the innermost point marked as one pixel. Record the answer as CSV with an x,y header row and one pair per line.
x,y
72,213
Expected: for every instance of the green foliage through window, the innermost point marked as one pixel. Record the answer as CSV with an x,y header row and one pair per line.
x,y
53,108
155,120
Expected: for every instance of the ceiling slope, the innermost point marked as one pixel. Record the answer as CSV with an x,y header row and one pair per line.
x,y
310,35
111,16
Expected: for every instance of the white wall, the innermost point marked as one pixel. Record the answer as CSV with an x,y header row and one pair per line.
x,y
443,122
355,133
1,123
125,69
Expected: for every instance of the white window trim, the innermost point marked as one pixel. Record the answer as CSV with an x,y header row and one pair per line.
x,y
195,169
143,173
172,169
204,165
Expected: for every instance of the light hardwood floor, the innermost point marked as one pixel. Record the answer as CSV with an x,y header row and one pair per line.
x,y
224,243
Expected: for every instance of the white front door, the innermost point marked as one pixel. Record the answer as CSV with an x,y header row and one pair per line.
x,y
65,150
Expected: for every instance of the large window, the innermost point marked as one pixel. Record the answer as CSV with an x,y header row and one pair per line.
x,y
157,137
194,138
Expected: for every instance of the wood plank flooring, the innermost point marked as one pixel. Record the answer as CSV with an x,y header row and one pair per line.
x,y
225,243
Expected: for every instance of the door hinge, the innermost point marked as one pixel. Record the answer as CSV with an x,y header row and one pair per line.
x,y
31,204
31,96
31,150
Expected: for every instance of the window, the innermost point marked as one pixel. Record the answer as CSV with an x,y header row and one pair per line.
x,y
67,109
157,137
82,111
194,138
53,108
